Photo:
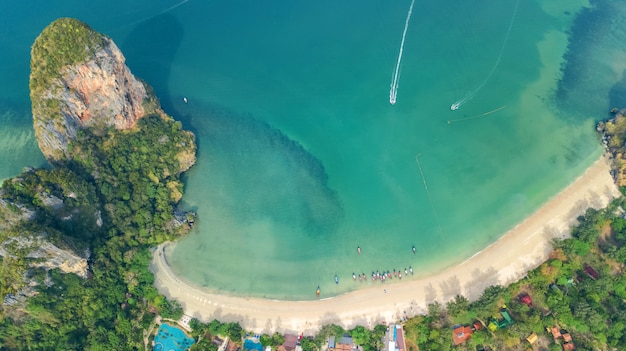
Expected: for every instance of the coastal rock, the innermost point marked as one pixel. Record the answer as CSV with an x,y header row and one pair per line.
x,y
79,79
11,214
20,236
42,253
613,133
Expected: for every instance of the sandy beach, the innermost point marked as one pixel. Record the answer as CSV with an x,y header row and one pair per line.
x,y
508,259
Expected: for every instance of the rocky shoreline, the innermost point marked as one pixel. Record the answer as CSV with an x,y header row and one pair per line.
x,y
612,133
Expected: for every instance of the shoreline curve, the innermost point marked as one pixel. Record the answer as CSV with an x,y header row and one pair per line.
x,y
508,259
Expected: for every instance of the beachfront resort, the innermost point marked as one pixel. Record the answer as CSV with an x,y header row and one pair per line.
x,y
568,302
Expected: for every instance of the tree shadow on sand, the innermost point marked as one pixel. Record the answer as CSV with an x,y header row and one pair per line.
x,y
450,288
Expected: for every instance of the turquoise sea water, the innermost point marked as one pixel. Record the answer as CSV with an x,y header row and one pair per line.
x,y
301,157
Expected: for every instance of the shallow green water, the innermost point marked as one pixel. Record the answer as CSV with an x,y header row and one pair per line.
x,y
301,157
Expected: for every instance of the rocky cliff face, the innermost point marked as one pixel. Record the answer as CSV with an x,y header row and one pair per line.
x,y
42,253
93,88
32,200
79,82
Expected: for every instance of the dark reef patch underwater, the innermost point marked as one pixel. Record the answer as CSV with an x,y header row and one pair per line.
x,y
594,62
263,173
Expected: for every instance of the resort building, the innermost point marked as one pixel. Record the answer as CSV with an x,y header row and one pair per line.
x,y
525,299
591,273
461,334
331,343
396,338
532,338
557,333
290,344
344,344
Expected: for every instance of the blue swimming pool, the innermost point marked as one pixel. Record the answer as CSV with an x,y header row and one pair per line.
x,y
251,345
170,338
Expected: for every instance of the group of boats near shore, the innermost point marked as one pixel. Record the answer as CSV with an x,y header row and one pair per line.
x,y
379,275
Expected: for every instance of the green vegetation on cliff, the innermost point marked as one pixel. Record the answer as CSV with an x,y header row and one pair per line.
x,y
136,181
111,192
137,174
63,200
64,42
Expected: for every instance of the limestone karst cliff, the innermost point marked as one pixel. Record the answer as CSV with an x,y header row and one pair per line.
x,y
116,161
79,79
46,217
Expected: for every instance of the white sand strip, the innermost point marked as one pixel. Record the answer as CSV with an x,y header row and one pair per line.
x,y
508,259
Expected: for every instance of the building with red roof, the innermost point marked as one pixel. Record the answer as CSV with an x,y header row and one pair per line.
x,y
556,332
591,272
461,334
567,337
569,346
525,299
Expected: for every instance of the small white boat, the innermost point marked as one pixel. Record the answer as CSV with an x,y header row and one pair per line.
x,y
455,106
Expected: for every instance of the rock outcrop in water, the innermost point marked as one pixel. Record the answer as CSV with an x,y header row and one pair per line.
x,y
116,156
613,133
79,79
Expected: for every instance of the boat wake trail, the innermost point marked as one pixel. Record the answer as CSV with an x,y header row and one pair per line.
x,y
393,93
173,7
455,106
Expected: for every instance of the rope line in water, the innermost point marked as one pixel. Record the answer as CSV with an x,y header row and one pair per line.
x,y
430,200
476,116
455,106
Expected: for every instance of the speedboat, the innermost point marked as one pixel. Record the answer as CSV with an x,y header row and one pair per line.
x,y
455,106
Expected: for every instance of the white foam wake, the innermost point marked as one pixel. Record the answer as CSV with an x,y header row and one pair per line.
x,y
393,92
